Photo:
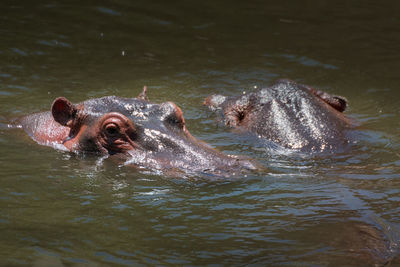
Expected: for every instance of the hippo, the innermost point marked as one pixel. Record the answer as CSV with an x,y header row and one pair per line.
x,y
144,134
291,115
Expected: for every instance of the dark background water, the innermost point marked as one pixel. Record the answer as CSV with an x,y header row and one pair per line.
x,y
60,209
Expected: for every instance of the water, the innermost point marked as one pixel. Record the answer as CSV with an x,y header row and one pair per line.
x,y
61,209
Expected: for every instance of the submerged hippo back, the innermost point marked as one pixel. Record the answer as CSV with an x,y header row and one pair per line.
x,y
290,115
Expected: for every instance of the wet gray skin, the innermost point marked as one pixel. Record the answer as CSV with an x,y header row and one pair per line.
x,y
153,136
291,115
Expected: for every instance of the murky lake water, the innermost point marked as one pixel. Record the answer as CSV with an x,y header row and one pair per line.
x,y
62,209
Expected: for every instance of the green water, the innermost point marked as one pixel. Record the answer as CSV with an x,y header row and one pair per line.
x,y
61,209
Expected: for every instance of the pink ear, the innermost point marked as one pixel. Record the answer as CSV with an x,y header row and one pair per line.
x,y
63,111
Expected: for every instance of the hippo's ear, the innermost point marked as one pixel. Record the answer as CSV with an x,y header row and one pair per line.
x,y
63,111
337,102
143,94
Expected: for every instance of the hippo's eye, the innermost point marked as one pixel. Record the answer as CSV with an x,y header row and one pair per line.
x,y
111,129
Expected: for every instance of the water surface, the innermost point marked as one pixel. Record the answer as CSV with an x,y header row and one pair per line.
x,y
62,209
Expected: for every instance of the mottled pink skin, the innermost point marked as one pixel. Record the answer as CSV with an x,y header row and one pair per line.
x,y
42,128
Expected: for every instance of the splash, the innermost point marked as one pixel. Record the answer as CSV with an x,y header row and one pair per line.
x,y
4,126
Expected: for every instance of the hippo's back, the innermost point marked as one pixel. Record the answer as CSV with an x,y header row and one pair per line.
x,y
290,115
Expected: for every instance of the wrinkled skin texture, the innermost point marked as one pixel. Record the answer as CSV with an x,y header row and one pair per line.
x,y
148,135
291,115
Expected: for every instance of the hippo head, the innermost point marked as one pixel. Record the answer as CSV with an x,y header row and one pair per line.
x,y
288,114
149,135
112,125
